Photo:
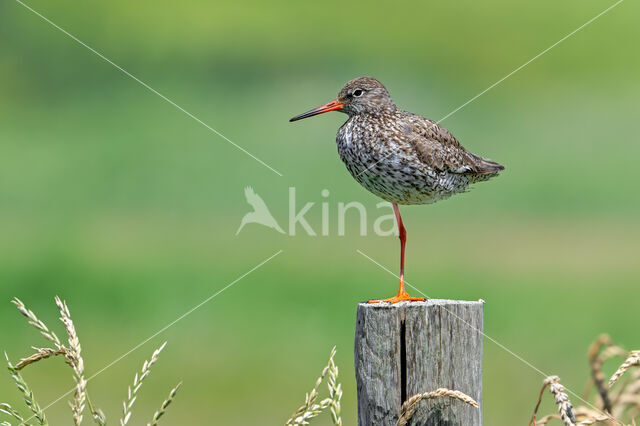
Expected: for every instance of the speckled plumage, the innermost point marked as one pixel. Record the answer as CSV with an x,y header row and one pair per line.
x,y
399,156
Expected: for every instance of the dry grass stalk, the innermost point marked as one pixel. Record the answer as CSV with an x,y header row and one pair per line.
x,y
98,416
632,384
163,407
132,393
74,359
410,405
72,355
562,401
41,353
589,417
8,410
627,396
27,393
596,419
598,376
627,401
632,360
624,398
39,325
311,408
596,346
533,421
335,390
546,419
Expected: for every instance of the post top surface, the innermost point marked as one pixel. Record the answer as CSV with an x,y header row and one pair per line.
x,y
428,302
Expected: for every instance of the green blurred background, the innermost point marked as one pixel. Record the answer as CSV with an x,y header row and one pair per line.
x,y
127,208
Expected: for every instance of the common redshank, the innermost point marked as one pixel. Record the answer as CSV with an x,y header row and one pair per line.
x,y
399,156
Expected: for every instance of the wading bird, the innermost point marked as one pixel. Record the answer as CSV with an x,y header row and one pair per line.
x,y
399,156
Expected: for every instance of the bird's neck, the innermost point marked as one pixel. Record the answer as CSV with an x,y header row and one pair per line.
x,y
374,112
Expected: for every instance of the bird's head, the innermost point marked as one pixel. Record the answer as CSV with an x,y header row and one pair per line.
x,y
362,95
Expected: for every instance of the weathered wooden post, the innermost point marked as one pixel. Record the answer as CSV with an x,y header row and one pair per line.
x,y
415,347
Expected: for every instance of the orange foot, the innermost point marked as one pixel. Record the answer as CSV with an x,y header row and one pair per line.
x,y
401,297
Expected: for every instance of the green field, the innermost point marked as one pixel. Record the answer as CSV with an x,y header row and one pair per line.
x,y
127,208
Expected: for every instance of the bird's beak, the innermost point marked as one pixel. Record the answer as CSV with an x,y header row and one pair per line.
x,y
331,106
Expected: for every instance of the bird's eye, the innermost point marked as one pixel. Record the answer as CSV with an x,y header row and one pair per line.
x,y
358,92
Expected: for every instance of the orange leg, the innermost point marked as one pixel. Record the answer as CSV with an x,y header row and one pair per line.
x,y
402,293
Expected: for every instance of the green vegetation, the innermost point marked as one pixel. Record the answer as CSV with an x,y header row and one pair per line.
x,y
127,208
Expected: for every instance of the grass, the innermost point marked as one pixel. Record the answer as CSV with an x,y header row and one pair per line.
x,y
609,405
125,207
312,407
555,267
410,406
72,354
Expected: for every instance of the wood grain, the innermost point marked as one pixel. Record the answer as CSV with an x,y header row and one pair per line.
x,y
414,347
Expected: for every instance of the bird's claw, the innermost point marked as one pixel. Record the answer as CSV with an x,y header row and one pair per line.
x,y
399,298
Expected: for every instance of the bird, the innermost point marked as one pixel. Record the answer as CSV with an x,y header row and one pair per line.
x,y
260,213
403,158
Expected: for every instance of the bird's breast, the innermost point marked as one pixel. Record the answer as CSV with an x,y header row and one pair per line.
x,y
380,159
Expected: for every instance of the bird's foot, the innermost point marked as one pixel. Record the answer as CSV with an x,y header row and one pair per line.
x,y
400,297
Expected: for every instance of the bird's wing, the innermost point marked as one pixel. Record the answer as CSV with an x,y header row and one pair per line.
x,y
254,199
438,148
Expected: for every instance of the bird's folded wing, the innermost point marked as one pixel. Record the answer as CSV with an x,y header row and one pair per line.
x,y
437,148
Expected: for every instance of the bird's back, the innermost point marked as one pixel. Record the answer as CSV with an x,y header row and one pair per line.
x,y
437,148
408,159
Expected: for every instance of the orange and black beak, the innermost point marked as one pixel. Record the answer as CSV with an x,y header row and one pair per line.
x,y
331,106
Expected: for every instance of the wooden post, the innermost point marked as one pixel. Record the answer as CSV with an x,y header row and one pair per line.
x,y
415,347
